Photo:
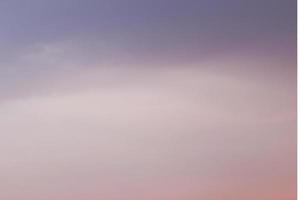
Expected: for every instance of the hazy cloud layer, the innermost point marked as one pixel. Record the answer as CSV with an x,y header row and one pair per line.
x,y
165,100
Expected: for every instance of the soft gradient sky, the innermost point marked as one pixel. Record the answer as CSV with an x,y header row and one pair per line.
x,y
148,100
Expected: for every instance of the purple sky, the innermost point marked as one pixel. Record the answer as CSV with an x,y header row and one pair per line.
x,y
148,100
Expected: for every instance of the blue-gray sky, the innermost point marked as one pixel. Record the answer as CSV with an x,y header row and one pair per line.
x,y
150,28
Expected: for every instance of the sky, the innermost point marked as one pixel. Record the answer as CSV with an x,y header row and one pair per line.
x,y
148,100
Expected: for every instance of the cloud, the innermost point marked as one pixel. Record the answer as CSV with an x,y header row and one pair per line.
x,y
98,127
